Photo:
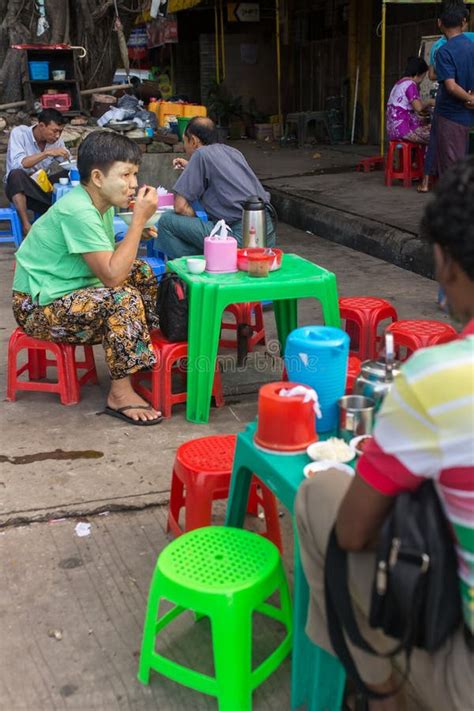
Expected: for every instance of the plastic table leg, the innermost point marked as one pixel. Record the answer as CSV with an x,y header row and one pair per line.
x,y
286,316
205,318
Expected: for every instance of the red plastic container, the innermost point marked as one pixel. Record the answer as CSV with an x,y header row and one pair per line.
x,y
285,424
243,255
61,102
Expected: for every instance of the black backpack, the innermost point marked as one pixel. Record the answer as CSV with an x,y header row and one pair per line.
x,y
172,307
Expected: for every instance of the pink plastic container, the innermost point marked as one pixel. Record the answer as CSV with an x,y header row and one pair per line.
x,y
220,255
166,200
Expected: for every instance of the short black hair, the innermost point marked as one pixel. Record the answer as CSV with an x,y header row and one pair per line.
x,y
415,66
203,128
453,14
101,149
51,115
449,218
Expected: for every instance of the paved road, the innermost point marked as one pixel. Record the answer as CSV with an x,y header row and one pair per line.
x,y
94,589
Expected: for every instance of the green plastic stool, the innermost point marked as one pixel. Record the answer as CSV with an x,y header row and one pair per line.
x,y
225,574
210,294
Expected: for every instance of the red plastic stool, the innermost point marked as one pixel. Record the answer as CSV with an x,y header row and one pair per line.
x,y
363,314
413,335
353,370
155,385
366,165
250,314
411,161
68,383
201,475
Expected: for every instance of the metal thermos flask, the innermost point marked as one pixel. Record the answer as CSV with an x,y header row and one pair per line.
x,y
254,222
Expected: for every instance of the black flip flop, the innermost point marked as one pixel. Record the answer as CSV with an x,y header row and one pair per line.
x,y
120,413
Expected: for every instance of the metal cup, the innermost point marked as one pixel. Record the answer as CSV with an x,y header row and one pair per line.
x,y
356,416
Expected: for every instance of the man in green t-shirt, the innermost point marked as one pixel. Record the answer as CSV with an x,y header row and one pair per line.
x,y
73,285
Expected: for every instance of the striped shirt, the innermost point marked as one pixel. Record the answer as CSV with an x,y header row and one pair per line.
x,y
425,430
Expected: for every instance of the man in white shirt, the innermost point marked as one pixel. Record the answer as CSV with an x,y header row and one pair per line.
x,y
31,148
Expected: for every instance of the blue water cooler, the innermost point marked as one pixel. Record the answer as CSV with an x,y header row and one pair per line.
x,y
317,356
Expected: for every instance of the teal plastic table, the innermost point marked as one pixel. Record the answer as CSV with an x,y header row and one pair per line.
x,y
210,294
317,678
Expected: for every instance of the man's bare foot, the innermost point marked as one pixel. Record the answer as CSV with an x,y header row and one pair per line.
x,y
122,394
26,228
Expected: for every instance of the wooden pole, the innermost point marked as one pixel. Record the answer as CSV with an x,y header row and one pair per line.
x,y
382,79
221,12
278,58
216,43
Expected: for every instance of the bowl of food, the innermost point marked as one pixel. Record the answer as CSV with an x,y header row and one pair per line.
x,y
151,222
68,164
196,265
359,444
314,468
243,257
333,449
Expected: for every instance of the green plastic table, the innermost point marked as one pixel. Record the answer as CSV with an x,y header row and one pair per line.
x,y
317,678
210,294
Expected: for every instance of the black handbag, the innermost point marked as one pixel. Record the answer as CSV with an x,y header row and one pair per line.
x,y
415,596
172,308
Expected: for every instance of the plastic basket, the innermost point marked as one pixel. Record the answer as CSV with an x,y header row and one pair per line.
x,y
61,102
38,70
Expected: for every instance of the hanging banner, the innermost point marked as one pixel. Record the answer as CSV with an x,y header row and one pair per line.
x,y
177,5
163,30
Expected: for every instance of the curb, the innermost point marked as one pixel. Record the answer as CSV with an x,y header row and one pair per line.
x,y
403,249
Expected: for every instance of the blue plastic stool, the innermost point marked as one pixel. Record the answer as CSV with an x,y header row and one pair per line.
x,y
120,228
199,211
157,265
60,190
15,234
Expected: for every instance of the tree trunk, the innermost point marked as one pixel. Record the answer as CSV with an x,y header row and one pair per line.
x,y
85,23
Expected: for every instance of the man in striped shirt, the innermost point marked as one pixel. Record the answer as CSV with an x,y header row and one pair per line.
x,y
424,430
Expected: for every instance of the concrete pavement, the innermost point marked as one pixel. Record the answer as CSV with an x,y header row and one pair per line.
x,y
92,591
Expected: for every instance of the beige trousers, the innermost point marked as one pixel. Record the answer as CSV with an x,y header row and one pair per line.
x,y
444,681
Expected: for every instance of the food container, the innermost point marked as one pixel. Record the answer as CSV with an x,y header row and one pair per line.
x,y
259,264
61,102
317,356
356,416
243,257
220,254
361,443
166,200
286,425
59,74
313,468
332,449
39,71
127,217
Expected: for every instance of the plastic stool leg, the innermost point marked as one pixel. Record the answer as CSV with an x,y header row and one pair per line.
x,y
233,660
67,375
176,503
149,630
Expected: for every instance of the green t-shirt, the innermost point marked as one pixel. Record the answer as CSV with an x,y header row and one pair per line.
x,y
49,262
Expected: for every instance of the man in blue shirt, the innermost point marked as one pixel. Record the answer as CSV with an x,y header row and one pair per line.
x,y
31,148
218,178
454,110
